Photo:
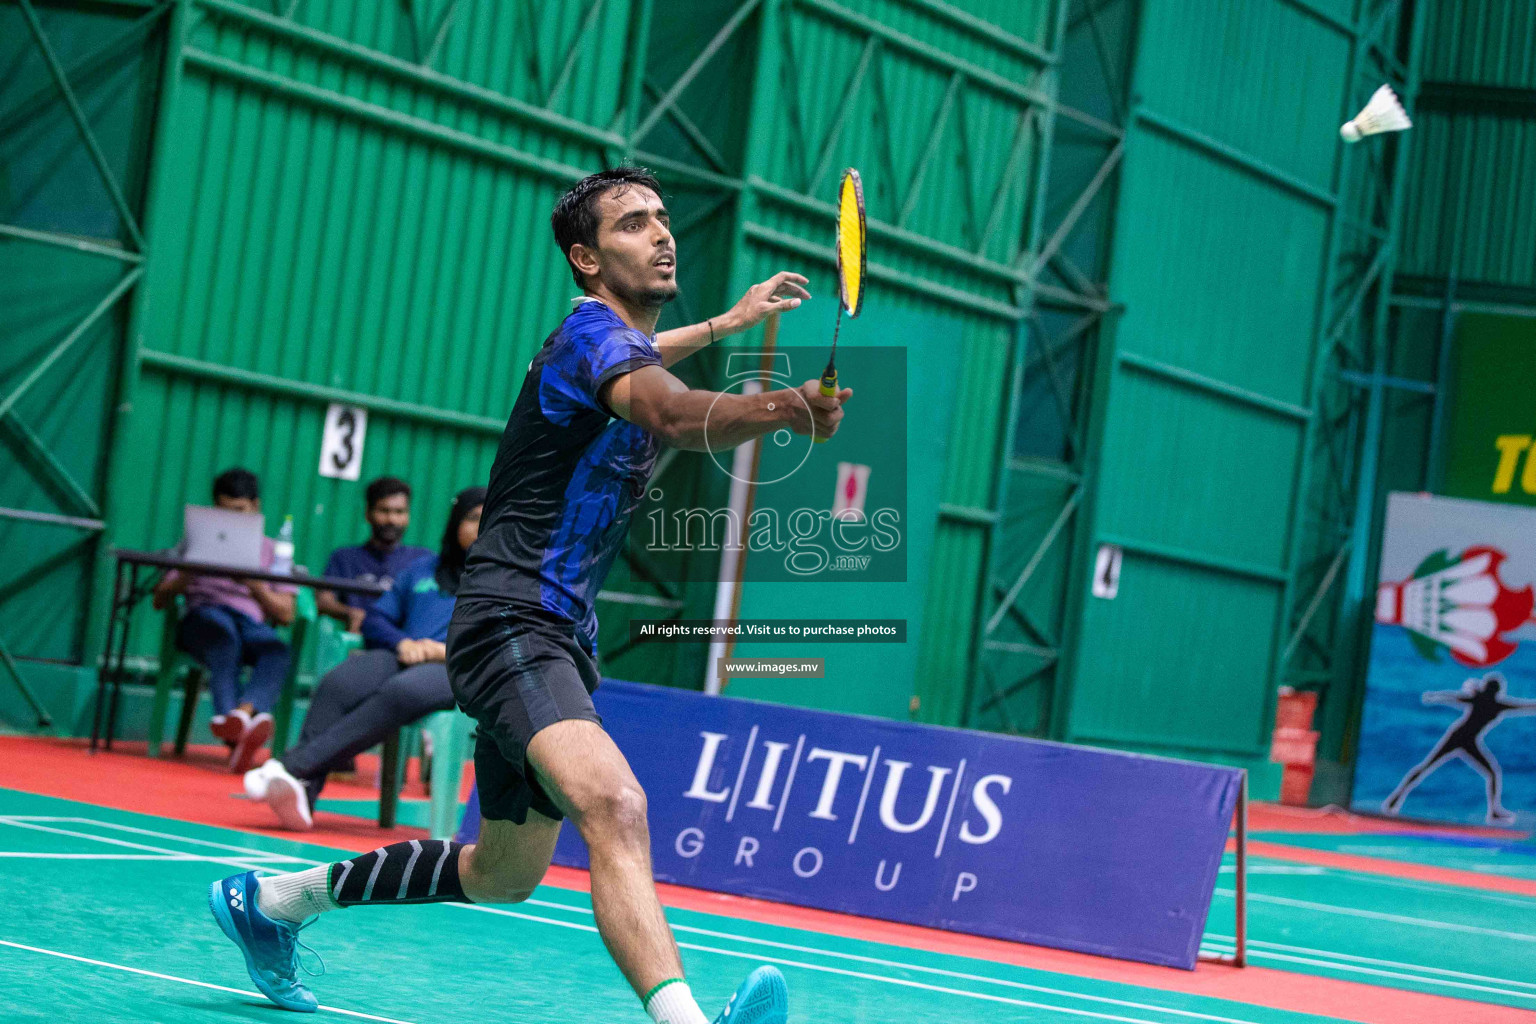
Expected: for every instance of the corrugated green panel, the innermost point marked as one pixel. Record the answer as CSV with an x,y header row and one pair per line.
x,y
1262,76
53,444
187,430
54,438
565,56
1197,472
1175,661
1241,314
336,223
1489,42
942,154
324,249
1013,687
1205,408
1480,169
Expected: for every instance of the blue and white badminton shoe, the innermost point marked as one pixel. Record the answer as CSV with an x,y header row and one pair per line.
x,y
270,948
762,999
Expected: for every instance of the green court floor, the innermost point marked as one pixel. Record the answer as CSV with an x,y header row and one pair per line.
x,y
1489,856
1381,930
103,917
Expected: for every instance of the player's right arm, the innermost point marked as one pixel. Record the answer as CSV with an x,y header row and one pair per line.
x,y
695,420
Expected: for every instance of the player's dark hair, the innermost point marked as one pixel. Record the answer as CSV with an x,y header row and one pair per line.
x,y
450,556
386,487
575,219
236,483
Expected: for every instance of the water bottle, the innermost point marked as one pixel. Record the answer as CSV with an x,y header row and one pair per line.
x,y
282,550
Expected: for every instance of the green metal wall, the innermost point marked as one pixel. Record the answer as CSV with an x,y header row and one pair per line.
x,y
936,111
1192,424
347,207
348,203
1203,402
72,169
1470,212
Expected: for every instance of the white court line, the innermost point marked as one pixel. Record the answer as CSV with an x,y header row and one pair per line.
x,y
1355,958
1335,965
764,942
94,856
174,854
1439,888
862,975
158,835
188,981
845,956
904,965
1377,915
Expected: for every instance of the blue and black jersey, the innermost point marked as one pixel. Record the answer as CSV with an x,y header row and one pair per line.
x,y
567,476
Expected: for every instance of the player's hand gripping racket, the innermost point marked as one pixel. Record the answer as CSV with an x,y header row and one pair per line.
x,y
850,268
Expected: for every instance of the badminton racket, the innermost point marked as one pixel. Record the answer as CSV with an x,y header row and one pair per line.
x,y
851,267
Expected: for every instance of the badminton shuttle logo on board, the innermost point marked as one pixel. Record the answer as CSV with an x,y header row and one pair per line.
x,y
845,787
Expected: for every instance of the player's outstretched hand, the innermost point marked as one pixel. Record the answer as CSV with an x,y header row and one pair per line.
x,y
781,292
818,414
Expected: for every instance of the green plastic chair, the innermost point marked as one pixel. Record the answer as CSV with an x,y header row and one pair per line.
x,y
174,661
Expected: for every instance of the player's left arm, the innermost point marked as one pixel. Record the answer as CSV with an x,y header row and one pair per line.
x,y
1518,706
780,293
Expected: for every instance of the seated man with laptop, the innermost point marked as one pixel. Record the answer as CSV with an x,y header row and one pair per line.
x,y
226,625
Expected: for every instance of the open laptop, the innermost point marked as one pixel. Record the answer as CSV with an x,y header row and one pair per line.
x,y
219,536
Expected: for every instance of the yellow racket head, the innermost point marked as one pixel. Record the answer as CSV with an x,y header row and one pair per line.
x,y
850,242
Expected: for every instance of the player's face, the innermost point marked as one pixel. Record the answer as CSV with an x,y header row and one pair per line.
x,y
636,254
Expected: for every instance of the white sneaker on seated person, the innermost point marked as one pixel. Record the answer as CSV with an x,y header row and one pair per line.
x,y
283,793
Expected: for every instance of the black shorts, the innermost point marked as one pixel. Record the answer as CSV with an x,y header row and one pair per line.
x,y
516,672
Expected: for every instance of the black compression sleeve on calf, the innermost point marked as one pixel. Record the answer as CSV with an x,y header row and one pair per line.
x,y
419,871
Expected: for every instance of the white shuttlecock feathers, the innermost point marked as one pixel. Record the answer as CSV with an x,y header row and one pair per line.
x,y
1383,114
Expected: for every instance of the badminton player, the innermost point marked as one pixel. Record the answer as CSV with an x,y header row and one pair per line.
x,y
596,406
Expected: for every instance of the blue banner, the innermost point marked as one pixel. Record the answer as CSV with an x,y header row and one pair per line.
x,y
1082,849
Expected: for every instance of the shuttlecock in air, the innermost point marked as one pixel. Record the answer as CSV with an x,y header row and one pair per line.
x,y
1383,114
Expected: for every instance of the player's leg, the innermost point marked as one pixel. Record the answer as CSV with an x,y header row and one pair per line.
x,y
582,771
508,861
587,777
541,753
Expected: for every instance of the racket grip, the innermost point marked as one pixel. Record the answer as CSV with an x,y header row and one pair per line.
x,y
828,390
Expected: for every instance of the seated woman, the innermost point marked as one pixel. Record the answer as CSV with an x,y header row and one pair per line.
x,y
363,700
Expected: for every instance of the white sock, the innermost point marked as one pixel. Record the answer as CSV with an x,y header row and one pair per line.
x,y
298,896
671,1002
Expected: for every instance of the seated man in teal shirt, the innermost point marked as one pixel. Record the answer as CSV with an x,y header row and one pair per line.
x,y
371,694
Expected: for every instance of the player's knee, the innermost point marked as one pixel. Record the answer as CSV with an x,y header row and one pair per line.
x,y
618,813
